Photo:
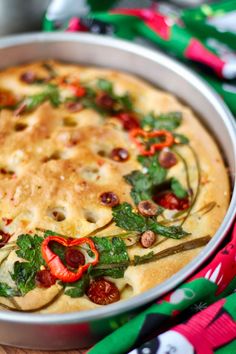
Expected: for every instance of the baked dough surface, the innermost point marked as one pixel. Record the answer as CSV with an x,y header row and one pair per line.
x,y
56,165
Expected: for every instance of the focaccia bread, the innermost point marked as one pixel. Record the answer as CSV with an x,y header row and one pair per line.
x,y
108,186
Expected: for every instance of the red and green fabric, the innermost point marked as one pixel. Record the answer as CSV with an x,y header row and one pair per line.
x,y
225,88
176,39
203,20
215,63
199,317
212,330
163,31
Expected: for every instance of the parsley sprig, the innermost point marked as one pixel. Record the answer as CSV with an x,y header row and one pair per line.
x,y
129,220
144,183
7,291
114,260
50,93
24,272
123,102
168,121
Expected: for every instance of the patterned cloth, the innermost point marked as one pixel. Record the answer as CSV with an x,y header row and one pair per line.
x,y
210,293
199,317
189,35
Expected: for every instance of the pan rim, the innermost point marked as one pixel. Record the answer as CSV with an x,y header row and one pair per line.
x,y
152,294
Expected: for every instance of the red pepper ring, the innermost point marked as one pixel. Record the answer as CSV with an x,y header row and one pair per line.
x,y
7,99
57,268
169,140
74,86
77,90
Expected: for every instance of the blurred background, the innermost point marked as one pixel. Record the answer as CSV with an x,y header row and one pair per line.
x,y
21,15
27,15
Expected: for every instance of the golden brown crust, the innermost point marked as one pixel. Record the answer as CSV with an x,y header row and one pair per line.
x,y
60,167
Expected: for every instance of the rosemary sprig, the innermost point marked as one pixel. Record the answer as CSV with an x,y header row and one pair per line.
x,y
186,168
198,184
202,211
184,246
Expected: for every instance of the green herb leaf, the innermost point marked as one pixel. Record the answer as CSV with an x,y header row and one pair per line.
x,y
24,272
111,250
7,291
24,276
126,219
30,249
90,92
78,288
124,102
143,184
181,139
89,96
52,233
138,196
88,102
139,180
51,94
178,189
175,232
105,86
142,259
167,121
59,250
156,173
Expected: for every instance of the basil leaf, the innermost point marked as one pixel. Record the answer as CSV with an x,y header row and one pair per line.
x,y
178,189
7,291
30,249
167,121
24,276
112,251
128,220
78,288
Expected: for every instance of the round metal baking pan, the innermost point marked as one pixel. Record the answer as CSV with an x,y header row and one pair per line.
x,y
81,329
